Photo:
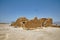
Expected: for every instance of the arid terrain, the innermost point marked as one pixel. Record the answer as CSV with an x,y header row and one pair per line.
x,y
7,32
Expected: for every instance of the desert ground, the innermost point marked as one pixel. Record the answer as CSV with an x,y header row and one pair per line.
x,y
8,32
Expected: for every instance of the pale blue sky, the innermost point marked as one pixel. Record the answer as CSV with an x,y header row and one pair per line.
x,y
10,10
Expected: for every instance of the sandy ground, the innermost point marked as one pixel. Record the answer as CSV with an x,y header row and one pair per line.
x,y
9,33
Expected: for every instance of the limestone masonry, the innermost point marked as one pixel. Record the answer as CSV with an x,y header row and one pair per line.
x,y
34,23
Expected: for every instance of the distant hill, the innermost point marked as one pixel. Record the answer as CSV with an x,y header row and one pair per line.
x,y
4,23
58,22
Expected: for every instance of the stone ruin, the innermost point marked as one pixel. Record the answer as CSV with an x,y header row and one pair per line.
x,y
32,24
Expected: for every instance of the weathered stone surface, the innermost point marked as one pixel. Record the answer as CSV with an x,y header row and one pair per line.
x,y
33,23
48,22
42,21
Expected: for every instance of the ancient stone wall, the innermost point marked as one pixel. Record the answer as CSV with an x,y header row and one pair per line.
x,y
48,22
41,21
33,23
